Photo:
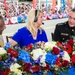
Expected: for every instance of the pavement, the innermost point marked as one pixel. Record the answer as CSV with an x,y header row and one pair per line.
x,y
49,27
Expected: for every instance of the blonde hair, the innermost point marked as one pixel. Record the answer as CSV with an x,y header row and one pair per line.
x,y
30,22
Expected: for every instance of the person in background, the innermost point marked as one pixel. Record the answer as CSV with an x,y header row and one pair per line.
x,y
68,9
66,30
2,27
32,32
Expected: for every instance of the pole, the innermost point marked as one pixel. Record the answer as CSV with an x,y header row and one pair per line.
x,y
39,4
59,4
46,6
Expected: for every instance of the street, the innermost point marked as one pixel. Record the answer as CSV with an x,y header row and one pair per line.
x,y
49,27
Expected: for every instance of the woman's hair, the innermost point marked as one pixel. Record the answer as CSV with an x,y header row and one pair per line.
x,y
30,21
2,24
2,21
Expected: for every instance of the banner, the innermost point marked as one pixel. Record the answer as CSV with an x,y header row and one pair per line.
x,y
34,3
53,4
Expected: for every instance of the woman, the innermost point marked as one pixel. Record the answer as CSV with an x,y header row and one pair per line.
x,y
33,32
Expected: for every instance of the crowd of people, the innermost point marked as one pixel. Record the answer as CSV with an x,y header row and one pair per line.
x,y
18,13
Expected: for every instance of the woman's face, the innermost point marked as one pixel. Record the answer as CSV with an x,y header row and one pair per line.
x,y
40,19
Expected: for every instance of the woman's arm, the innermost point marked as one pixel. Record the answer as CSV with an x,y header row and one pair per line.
x,y
13,42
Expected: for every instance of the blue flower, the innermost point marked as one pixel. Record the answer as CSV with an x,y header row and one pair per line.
x,y
8,45
23,55
51,58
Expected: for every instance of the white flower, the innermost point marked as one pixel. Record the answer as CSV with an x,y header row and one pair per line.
x,y
37,52
49,45
42,61
2,51
14,68
73,52
66,56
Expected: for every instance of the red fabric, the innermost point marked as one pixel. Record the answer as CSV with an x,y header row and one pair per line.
x,y
53,4
34,3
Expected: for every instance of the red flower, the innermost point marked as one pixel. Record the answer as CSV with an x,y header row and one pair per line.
x,y
13,53
65,63
55,50
35,68
47,67
59,45
58,62
26,67
68,48
71,42
73,58
7,70
29,47
4,73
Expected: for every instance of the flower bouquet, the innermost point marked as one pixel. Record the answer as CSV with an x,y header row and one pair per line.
x,y
38,59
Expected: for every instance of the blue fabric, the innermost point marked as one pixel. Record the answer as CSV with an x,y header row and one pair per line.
x,y
19,19
25,17
23,37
